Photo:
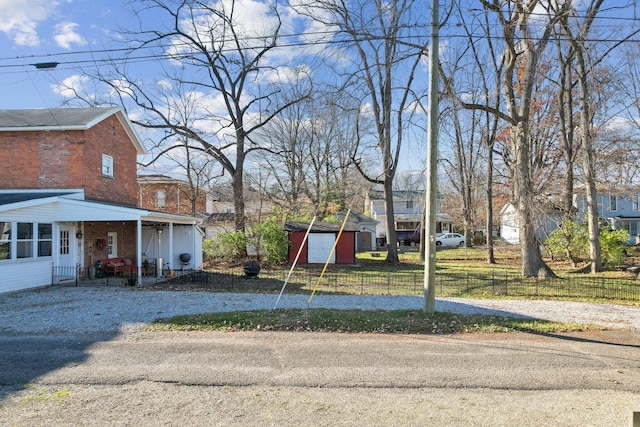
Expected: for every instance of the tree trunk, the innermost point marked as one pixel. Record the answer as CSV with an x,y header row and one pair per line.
x,y
489,225
588,163
392,247
532,263
238,186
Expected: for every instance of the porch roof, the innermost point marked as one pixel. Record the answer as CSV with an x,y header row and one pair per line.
x,y
68,208
441,217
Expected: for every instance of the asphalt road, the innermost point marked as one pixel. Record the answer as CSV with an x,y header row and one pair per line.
x,y
277,378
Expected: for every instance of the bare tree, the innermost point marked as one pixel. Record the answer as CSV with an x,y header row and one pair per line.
x,y
211,60
462,163
385,70
309,162
583,73
521,60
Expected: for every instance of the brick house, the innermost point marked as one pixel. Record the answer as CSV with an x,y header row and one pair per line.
x,y
69,194
165,194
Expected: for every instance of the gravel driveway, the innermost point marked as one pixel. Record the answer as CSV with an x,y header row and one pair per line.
x,y
110,310
67,362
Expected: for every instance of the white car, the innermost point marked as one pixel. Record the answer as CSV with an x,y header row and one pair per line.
x,y
450,239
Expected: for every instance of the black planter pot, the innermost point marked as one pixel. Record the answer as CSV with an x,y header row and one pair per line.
x,y
251,268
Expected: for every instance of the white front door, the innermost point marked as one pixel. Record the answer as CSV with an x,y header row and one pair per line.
x,y
66,245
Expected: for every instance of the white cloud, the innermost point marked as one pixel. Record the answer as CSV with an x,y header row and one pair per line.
x,y
66,35
19,19
286,74
71,86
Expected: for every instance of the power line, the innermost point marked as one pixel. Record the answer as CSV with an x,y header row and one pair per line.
x,y
325,38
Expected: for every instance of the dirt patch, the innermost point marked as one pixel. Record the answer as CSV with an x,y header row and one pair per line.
x,y
221,282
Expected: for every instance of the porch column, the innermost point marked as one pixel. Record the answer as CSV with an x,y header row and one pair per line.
x,y
139,250
171,246
193,241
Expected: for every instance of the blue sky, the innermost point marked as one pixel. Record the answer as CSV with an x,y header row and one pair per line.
x,y
75,32
37,31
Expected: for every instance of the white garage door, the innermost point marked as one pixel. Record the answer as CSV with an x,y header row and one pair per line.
x,y
320,245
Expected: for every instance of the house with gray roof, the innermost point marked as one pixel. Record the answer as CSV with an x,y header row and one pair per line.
x,y
68,199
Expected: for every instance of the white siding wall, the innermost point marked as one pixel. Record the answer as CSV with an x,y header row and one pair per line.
x,y
24,274
182,243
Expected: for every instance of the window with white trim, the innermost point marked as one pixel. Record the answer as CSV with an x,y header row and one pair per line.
x,y
107,165
162,199
613,202
5,240
20,240
112,244
636,202
65,242
45,239
24,239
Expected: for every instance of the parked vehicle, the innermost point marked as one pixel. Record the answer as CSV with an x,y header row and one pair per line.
x,y
450,239
408,238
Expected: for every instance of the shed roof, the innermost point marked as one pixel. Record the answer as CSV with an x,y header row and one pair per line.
x,y
321,227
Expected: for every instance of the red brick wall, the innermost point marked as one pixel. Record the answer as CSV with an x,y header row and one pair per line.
x,y
126,240
71,159
176,198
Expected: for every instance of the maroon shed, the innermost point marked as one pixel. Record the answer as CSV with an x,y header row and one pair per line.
x,y
321,240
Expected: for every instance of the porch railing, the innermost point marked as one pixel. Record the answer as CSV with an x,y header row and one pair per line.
x,y
86,276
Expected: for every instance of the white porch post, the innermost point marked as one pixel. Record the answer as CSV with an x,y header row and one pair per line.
x,y
194,230
171,246
139,250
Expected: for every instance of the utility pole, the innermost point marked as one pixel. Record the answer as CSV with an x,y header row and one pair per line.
x,y
432,170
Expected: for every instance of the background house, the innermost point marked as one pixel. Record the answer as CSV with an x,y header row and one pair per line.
x,y
68,198
408,207
547,219
165,194
366,235
618,205
222,214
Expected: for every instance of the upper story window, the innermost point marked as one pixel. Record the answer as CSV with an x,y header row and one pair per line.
x,y
409,204
613,202
107,165
161,199
636,202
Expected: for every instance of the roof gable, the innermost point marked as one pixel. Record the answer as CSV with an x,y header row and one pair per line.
x,y
65,119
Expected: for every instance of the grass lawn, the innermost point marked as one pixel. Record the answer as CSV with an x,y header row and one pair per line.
x,y
359,321
453,264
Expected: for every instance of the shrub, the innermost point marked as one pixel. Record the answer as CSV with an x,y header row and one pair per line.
x,y
267,238
574,236
270,240
225,245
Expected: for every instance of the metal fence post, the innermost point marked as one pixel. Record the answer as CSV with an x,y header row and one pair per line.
x,y
506,283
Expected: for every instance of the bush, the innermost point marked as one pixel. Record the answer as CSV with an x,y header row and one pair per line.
x,y
574,236
227,245
267,238
270,240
